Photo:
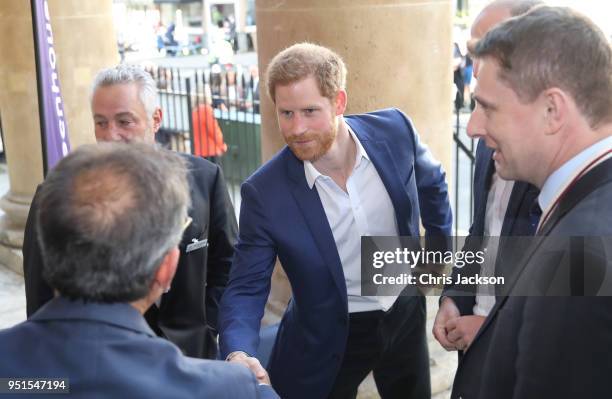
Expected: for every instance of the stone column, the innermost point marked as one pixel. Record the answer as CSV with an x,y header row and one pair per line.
x,y
81,50
240,12
206,23
398,54
85,43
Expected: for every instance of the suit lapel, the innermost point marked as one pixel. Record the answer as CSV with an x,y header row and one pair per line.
x,y
515,203
516,223
390,174
309,202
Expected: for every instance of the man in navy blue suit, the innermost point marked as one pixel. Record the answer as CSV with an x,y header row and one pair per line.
x,y
109,222
338,178
501,208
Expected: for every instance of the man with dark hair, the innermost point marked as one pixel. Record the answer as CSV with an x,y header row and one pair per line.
x,y
544,105
338,178
125,108
109,221
501,209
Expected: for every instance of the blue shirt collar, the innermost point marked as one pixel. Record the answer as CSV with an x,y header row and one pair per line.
x,y
559,177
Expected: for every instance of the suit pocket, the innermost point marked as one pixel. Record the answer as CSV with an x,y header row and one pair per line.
x,y
195,239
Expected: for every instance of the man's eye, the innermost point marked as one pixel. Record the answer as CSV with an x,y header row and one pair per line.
x,y
287,114
125,122
101,123
309,111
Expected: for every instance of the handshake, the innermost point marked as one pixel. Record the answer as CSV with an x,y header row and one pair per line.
x,y
252,363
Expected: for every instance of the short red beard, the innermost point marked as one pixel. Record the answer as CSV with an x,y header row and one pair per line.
x,y
321,143
313,151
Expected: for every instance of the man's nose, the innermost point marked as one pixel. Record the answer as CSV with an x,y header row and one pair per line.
x,y
475,127
298,126
115,132
109,133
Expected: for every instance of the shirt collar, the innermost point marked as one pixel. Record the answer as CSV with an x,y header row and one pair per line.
x,y
120,314
554,182
312,174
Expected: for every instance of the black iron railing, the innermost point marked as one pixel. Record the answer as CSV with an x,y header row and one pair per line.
x,y
212,112
464,157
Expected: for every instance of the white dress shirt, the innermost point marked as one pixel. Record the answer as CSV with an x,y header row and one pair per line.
x,y
365,209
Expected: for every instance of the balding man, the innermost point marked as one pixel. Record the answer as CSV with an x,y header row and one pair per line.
x,y
110,219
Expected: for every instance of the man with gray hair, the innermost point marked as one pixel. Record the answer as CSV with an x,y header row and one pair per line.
x,y
110,219
544,105
125,108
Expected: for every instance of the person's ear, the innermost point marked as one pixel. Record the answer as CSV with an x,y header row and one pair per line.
x,y
157,119
167,269
340,102
556,106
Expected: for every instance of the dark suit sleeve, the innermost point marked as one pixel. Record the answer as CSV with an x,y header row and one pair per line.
x,y
436,214
38,292
244,300
222,237
464,296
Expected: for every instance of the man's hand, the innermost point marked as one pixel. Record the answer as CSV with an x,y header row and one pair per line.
x,y
447,311
253,364
462,330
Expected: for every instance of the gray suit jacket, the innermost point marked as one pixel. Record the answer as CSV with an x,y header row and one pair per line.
x,y
109,351
551,336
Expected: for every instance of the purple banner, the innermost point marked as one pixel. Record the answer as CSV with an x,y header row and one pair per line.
x,y
51,108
